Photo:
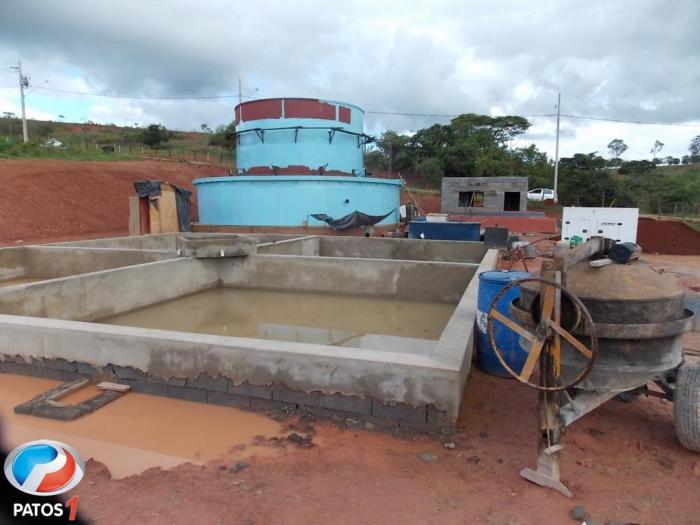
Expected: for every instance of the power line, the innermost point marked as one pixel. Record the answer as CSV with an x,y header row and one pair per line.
x,y
140,97
438,115
541,115
646,123
372,112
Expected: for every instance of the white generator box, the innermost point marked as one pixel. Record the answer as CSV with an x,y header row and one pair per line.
x,y
619,224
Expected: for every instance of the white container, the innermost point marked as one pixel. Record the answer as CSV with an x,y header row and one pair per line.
x,y
437,217
619,224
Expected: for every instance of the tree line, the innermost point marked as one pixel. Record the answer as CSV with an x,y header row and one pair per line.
x,y
480,146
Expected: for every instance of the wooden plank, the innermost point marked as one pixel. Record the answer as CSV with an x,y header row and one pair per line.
x,y
536,348
512,325
531,360
154,214
581,253
167,207
116,387
578,345
134,215
144,214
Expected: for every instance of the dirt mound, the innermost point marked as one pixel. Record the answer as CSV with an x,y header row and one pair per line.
x,y
428,203
667,237
49,200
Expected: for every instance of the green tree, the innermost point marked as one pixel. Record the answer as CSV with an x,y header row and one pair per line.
x,y
636,166
694,146
155,135
430,171
396,150
616,148
44,129
224,136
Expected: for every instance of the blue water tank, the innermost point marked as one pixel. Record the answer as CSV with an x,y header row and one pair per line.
x,y
444,231
297,157
490,283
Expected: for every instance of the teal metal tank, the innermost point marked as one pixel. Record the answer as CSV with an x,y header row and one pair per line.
x,y
297,157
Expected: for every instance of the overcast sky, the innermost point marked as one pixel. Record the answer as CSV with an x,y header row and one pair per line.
x,y
630,60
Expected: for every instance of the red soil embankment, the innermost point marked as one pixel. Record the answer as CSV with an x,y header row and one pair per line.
x,y
667,237
45,200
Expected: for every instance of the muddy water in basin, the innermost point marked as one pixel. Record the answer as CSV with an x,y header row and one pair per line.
x,y
137,432
319,318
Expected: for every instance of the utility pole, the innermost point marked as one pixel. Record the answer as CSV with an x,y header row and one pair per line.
x,y
556,152
23,83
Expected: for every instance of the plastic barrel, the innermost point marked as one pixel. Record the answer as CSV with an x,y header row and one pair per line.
x,y
490,283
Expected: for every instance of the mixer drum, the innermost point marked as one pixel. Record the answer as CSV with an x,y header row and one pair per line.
x,y
639,318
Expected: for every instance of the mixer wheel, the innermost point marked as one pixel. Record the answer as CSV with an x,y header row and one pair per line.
x,y
686,405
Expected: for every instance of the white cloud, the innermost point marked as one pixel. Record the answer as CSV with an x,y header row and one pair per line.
x,y
447,57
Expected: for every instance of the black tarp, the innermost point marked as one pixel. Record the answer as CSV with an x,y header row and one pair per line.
x,y
351,220
151,188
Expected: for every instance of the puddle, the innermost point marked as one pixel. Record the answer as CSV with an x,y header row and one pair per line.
x,y
319,318
137,432
20,280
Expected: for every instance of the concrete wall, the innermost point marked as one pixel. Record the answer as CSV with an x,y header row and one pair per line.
x,y
160,242
13,263
256,373
420,281
494,189
100,294
308,246
407,249
55,261
60,261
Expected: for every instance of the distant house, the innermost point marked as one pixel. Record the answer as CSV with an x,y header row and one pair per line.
x,y
53,143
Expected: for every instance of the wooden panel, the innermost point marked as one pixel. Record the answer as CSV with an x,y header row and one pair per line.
x,y
134,215
144,215
167,208
154,214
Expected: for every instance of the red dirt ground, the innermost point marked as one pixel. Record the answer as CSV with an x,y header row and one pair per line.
x,y
668,237
622,462
428,203
55,200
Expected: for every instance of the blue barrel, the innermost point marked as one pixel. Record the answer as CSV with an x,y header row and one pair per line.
x,y
490,283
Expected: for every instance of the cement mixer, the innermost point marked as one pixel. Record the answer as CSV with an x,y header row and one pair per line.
x,y
594,332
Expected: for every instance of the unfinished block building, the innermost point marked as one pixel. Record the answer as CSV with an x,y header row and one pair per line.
x,y
476,195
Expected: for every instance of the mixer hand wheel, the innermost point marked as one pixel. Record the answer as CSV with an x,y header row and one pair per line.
x,y
547,331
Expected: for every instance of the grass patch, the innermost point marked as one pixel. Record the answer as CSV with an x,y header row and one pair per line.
x,y
32,150
693,224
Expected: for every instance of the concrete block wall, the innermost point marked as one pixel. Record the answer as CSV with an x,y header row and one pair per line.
x,y
219,390
402,249
494,189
